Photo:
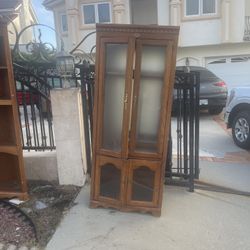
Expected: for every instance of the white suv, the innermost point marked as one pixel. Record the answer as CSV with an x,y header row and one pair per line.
x,y
237,116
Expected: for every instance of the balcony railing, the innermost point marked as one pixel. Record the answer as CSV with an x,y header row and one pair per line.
x,y
247,29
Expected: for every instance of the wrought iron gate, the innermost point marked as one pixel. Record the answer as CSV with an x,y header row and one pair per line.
x,y
33,98
87,77
183,165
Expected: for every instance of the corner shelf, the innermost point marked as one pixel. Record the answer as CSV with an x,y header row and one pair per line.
x,y
9,149
5,102
12,177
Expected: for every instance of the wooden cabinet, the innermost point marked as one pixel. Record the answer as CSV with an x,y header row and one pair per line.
x,y
135,67
12,178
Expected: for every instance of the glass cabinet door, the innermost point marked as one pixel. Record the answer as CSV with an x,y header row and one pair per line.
x,y
110,176
150,102
143,183
114,95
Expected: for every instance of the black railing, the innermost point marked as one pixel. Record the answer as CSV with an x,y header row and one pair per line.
x,y
35,115
184,166
86,77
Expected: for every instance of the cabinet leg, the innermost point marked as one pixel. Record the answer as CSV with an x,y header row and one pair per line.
x,y
156,213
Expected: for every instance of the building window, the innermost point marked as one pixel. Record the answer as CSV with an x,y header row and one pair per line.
x,y
200,7
96,13
64,23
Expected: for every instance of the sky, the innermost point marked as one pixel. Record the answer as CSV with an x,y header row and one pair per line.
x,y
45,17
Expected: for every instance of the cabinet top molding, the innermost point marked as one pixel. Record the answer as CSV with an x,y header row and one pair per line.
x,y
129,28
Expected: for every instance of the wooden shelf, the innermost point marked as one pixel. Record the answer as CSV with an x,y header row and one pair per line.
x,y
5,102
8,193
9,149
124,157
12,177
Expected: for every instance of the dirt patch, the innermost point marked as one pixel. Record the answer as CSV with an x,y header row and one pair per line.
x,y
16,229
47,204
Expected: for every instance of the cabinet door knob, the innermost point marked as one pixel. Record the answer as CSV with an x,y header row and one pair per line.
x,y
126,98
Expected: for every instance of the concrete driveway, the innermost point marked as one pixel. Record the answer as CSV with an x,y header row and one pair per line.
x,y
192,221
221,161
201,220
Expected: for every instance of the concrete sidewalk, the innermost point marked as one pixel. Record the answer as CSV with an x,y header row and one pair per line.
x,y
199,220
229,175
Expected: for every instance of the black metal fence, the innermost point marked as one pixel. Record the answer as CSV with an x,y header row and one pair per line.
x,y
183,154
87,78
33,85
35,114
183,164
33,96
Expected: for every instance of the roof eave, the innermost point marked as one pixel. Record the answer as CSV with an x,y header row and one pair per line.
x,y
50,4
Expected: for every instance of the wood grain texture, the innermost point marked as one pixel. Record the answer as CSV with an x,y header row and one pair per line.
x,y
132,164
12,178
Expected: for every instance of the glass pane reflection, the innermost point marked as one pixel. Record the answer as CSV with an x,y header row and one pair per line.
x,y
116,57
110,181
143,184
149,99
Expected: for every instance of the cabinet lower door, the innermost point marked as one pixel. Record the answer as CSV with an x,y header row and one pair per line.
x,y
144,183
109,180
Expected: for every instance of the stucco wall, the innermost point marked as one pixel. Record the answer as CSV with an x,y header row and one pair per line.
x,y
237,20
200,32
140,10
227,27
247,7
201,54
24,18
163,12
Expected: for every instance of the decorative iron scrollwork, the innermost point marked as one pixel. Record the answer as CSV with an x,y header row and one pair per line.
x,y
35,51
80,55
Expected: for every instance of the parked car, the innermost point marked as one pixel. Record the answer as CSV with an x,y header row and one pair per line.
x,y
237,116
26,96
213,90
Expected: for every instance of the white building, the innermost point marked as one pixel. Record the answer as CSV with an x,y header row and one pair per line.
x,y
25,15
213,33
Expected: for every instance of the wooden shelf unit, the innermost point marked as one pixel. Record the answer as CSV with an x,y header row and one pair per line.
x,y
12,177
135,68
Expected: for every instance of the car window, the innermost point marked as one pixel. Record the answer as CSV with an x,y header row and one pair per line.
x,y
206,75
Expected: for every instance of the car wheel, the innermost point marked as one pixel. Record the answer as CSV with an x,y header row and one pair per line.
x,y
241,129
215,110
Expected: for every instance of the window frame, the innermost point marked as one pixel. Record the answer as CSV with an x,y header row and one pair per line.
x,y
200,13
95,4
61,22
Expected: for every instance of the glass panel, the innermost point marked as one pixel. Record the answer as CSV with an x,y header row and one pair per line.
x,y
208,6
110,182
116,57
103,13
149,99
143,184
89,14
192,7
2,54
64,23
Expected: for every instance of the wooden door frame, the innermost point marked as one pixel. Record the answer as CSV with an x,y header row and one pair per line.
x,y
119,164
155,166
126,98
164,97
